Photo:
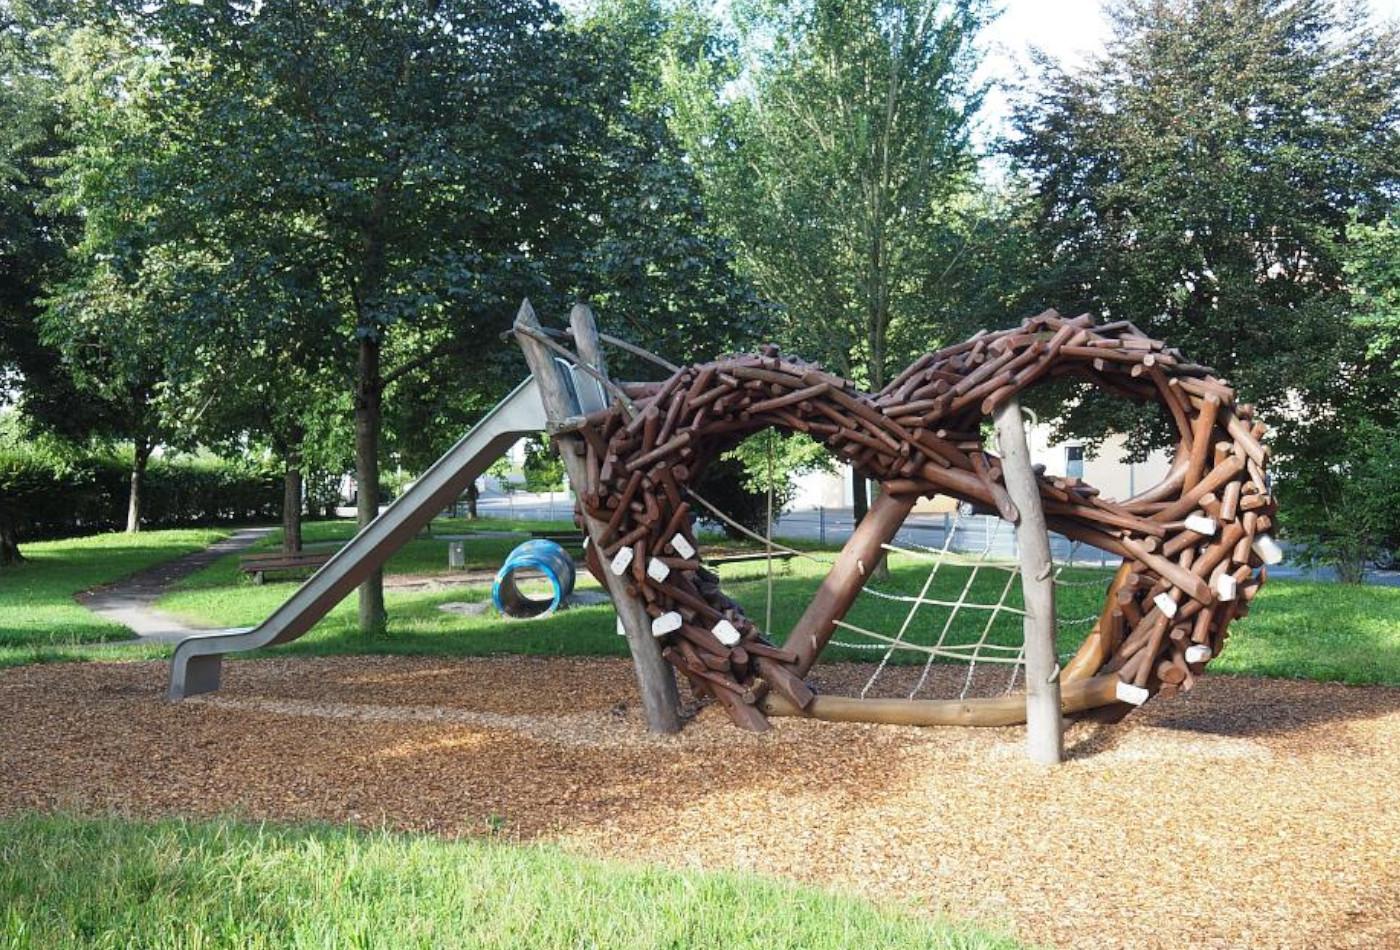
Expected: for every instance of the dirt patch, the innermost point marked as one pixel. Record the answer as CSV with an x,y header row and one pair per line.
x,y
1251,812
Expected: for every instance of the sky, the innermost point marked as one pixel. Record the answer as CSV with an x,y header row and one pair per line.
x,y
1067,30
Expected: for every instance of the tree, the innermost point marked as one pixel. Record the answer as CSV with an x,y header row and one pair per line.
x,y
1339,459
411,161
1199,179
839,169
653,262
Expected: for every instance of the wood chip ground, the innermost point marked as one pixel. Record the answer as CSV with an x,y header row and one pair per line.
x,y
1249,813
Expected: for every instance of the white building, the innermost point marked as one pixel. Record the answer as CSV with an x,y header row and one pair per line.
x,y
1105,471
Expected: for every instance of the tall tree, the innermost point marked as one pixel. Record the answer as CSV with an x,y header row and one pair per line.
x,y
838,167
70,382
652,260
1199,179
413,158
1339,450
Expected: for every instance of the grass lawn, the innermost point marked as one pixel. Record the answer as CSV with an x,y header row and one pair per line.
x,y
1297,629
38,617
68,881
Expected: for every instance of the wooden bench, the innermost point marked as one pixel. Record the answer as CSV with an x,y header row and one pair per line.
x,y
748,557
270,562
565,539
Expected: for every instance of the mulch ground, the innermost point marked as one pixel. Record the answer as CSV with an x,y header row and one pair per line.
x,y
1248,813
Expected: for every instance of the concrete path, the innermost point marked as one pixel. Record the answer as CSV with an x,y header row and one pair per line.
x,y
130,601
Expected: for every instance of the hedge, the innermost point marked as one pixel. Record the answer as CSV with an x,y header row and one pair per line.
x,y
47,495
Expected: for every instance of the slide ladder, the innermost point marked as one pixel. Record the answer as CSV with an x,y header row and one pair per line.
x,y
196,665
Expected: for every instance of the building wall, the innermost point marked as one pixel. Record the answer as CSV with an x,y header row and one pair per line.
x,y
1105,471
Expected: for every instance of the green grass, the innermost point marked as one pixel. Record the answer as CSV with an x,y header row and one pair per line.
x,y
1296,629
38,616
68,881
1308,630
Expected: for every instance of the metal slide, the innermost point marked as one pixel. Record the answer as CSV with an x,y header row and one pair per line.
x,y
196,664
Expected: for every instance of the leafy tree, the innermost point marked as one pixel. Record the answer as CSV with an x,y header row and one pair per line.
x,y
1373,271
96,314
387,174
34,236
653,263
544,470
1339,457
1199,179
839,168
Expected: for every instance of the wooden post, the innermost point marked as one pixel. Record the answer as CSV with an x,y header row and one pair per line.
x,y
1044,727
655,680
859,556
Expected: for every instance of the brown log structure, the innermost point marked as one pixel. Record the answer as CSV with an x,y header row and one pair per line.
x,y
1193,546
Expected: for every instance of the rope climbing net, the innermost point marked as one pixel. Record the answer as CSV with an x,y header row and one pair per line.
x,y
946,621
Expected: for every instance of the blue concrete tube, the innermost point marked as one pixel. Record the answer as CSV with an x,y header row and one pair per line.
x,y
550,560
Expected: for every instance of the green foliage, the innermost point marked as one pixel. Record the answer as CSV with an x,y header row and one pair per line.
x,y
67,881
1199,179
1337,496
1373,271
1339,459
47,490
544,469
772,461
655,263
834,150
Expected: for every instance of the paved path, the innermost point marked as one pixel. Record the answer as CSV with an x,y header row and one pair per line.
x,y
130,601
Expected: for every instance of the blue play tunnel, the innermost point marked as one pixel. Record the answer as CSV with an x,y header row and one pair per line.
x,y
539,556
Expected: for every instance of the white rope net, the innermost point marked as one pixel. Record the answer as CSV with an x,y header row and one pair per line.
x,y
954,628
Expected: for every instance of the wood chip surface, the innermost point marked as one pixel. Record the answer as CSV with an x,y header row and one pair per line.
x,y
1256,813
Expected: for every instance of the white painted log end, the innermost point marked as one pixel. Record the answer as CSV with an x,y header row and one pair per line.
x,y
727,633
682,546
1201,525
1128,693
1267,548
1197,653
1225,586
621,561
1165,604
666,623
657,569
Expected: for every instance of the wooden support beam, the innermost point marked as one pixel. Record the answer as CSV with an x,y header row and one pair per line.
x,y
1044,726
862,551
655,680
1102,690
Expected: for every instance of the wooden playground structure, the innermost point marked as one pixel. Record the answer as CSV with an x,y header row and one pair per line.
x,y
1193,547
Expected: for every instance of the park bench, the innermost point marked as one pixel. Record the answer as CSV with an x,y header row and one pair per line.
x,y
748,557
270,562
567,539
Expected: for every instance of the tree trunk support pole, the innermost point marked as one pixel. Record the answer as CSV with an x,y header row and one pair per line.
x,y
1044,726
858,558
655,681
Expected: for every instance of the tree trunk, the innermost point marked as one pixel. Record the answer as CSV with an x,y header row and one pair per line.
x,y
291,500
9,540
136,499
1351,568
472,495
369,395
860,501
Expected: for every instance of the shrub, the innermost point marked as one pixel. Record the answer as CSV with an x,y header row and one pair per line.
x,y
47,493
544,470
